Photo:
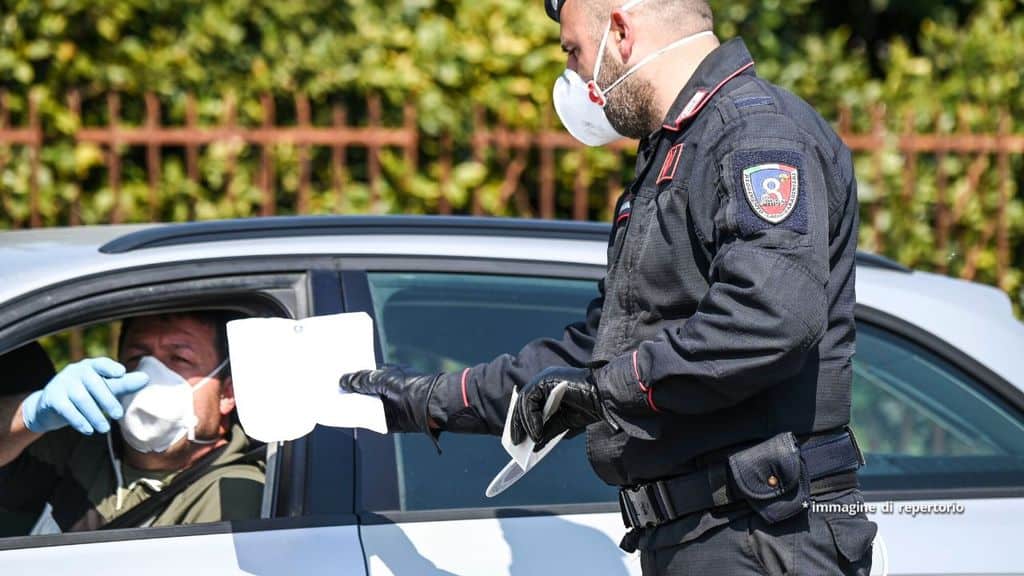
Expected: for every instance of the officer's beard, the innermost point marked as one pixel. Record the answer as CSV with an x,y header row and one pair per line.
x,y
630,108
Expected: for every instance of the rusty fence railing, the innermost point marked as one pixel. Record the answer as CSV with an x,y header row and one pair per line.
x,y
514,153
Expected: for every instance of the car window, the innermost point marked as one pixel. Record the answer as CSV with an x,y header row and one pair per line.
x,y
27,369
433,322
80,479
925,424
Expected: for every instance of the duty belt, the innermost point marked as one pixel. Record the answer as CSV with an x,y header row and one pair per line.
x,y
830,463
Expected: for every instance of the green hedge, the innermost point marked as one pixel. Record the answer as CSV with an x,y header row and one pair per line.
x,y
449,56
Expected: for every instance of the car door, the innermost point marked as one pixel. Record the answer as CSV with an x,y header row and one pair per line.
x,y
942,437
288,539
944,443
425,513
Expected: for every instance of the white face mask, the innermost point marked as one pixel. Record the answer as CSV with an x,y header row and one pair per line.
x,y
163,412
580,105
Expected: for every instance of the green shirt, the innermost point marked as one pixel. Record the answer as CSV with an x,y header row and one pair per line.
x,y
75,474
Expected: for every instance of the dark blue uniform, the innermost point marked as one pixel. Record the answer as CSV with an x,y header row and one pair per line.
x,y
726,315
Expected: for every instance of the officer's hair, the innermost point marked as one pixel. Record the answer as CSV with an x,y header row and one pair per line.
x,y
685,16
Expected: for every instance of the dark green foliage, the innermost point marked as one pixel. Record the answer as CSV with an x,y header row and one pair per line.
x,y
940,61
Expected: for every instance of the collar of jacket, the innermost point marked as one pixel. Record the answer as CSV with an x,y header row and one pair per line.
x,y
724,63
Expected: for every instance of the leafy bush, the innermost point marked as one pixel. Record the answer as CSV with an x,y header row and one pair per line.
x,y
448,57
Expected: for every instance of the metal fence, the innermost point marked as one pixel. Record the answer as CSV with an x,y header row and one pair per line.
x,y
513,153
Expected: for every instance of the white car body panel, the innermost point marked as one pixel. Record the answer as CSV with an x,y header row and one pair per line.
x,y
267,553
975,318
523,546
981,540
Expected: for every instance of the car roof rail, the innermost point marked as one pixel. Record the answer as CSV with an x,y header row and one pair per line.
x,y
331,225
869,260
300,226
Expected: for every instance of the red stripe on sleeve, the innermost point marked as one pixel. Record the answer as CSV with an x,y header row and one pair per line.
x,y
648,390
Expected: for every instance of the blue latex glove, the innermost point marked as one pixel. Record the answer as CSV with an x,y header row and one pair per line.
x,y
80,395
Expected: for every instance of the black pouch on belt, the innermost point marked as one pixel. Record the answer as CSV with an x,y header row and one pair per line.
x,y
772,477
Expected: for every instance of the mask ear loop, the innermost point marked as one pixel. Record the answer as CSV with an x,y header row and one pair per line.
x,y
653,55
594,92
203,382
597,96
210,376
600,97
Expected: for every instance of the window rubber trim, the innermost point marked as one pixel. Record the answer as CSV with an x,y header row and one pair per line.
x,y
32,303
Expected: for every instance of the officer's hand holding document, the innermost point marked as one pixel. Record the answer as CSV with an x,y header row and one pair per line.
x,y
286,372
523,456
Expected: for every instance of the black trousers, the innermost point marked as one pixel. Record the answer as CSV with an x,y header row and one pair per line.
x,y
832,536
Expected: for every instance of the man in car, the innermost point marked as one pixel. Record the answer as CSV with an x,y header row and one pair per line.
x,y
173,399
713,374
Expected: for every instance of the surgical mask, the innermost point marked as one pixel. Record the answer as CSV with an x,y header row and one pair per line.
x,y
163,412
580,105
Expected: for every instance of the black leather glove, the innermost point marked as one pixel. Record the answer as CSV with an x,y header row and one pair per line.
x,y
580,406
406,396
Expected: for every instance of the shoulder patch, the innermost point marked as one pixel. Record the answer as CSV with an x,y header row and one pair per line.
x,y
769,181
772,190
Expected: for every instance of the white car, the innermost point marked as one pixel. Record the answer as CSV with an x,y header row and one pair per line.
x,y
938,402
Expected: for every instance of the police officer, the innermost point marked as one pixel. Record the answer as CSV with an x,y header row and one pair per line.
x,y
713,374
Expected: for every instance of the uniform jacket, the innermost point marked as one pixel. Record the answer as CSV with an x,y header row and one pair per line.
x,y
726,314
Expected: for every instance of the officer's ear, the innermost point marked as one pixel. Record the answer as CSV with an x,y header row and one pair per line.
x,y
227,397
622,37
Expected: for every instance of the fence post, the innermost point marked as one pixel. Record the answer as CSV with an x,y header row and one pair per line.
x,y
481,135
191,149
580,200
547,167
114,154
443,204
614,185
373,156
5,124
74,99
1003,224
878,165
303,115
942,220
412,145
153,154
266,161
908,147
230,122
338,154
35,151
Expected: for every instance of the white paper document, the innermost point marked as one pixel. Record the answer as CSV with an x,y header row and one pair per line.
x,y
286,372
523,456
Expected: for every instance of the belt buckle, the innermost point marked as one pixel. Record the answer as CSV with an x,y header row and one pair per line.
x,y
626,508
641,505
